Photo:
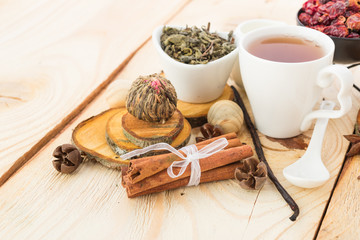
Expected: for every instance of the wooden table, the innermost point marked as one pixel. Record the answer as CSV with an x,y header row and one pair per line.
x,y
57,57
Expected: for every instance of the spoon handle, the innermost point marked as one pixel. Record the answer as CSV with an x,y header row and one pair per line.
x,y
320,127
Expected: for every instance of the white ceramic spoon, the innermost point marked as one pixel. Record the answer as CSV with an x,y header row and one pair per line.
x,y
309,171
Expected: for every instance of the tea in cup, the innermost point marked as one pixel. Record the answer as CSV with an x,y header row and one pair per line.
x,y
284,69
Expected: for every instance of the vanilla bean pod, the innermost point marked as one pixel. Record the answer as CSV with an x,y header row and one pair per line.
x,y
260,153
351,66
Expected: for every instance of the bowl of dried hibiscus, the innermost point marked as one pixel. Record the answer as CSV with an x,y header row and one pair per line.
x,y
340,20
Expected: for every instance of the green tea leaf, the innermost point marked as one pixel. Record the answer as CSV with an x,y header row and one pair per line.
x,y
194,45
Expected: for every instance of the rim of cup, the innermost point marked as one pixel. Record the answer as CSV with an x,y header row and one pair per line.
x,y
326,43
253,24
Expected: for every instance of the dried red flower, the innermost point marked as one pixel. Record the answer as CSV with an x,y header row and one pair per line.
x,y
338,18
353,22
338,30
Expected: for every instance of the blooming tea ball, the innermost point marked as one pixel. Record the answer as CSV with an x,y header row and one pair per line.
x,y
152,98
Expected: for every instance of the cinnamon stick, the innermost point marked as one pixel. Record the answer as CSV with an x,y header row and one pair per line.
x,y
219,159
228,136
142,168
221,173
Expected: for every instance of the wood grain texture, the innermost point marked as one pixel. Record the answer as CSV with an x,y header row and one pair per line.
x,y
90,137
342,219
120,144
143,133
39,203
56,57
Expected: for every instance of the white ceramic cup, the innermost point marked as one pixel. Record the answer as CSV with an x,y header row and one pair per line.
x,y
282,95
196,83
241,30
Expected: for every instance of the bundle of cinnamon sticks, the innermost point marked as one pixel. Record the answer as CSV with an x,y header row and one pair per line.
x,y
149,174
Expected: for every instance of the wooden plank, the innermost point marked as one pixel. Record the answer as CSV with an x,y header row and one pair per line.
x,y
342,220
56,57
91,204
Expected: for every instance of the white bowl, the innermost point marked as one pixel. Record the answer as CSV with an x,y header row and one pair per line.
x,y
196,83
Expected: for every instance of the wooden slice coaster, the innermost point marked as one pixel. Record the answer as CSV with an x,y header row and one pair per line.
x,y
120,144
89,137
143,134
196,113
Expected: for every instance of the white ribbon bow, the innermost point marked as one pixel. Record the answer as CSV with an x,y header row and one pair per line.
x,y
192,155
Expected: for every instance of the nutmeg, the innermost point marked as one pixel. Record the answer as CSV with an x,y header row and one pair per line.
x,y
68,158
